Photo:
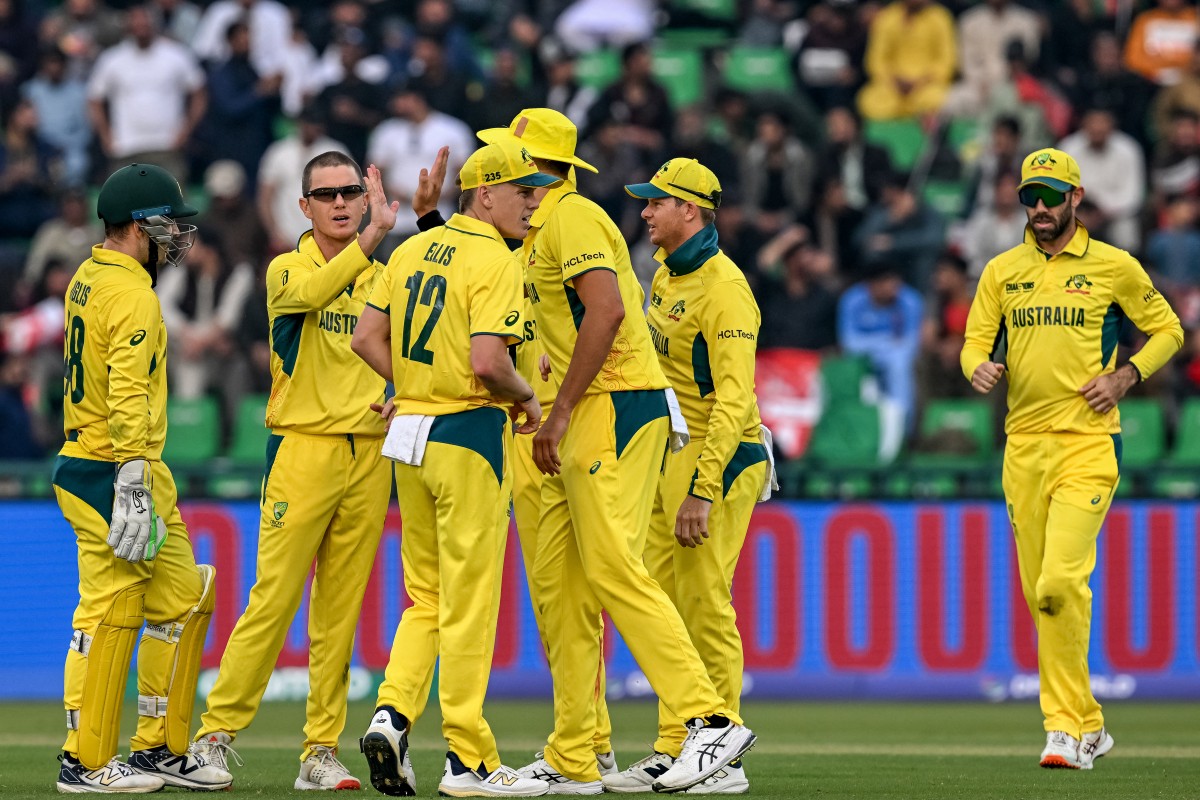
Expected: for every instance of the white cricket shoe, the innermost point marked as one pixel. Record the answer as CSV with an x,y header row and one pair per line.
x,y
640,776
1094,745
1061,752
706,750
115,777
727,780
559,783
216,750
322,771
386,750
188,771
460,781
605,762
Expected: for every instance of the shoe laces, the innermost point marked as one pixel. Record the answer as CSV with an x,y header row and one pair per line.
x,y
649,760
327,760
694,726
211,750
119,766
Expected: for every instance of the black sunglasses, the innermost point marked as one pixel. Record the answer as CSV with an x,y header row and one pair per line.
x,y
327,194
1029,196
714,197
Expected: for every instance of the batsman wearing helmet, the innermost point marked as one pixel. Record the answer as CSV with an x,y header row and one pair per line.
x,y
1057,300
135,560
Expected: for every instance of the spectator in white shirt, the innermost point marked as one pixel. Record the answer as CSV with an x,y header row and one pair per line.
x,y
1116,170
409,141
984,32
995,227
145,97
279,179
270,32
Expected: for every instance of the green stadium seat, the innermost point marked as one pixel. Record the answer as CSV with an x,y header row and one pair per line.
x,y
695,38
249,443
842,378
955,435
681,72
963,138
902,138
948,197
598,69
1143,432
1179,473
758,69
193,431
843,449
715,10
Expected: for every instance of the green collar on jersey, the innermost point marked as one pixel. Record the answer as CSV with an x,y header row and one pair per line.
x,y
694,253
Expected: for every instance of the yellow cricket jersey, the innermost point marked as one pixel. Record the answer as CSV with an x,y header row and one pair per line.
x,y
114,353
318,385
704,324
570,235
1060,316
441,288
529,352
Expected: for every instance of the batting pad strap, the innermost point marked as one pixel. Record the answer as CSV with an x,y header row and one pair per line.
x,y
169,632
72,719
81,643
152,706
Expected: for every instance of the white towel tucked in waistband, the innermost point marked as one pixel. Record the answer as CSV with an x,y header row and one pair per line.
x,y
407,438
679,429
770,482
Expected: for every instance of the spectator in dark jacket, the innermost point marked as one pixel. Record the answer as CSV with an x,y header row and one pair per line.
x,y
903,232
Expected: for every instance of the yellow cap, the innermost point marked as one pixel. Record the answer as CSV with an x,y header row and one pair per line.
x,y
545,133
685,178
503,161
1052,168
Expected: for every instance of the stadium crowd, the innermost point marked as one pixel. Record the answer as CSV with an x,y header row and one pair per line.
x,y
855,238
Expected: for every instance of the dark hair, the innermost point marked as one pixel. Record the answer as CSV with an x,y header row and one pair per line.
x,y
1008,123
954,260
631,50
237,26
557,168
331,158
118,230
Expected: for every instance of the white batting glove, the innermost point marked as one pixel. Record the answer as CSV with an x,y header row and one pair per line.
x,y
136,532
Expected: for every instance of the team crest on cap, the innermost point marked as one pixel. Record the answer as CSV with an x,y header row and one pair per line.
x,y
1042,161
528,159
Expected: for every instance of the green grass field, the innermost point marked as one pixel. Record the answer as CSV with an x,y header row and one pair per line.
x,y
806,750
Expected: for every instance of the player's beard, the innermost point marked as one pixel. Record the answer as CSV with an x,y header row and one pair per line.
x,y
1060,225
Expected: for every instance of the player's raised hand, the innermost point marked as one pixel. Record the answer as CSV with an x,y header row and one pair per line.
x,y
429,184
383,213
986,376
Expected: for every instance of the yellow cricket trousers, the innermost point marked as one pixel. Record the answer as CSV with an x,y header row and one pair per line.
x,y
592,558
170,584
454,508
700,579
527,508
1059,487
324,499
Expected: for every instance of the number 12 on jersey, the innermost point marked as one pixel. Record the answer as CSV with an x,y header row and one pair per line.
x,y
433,295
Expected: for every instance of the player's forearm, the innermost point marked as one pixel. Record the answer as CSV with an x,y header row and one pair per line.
x,y
1158,350
306,290
596,335
376,351
128,425
500,377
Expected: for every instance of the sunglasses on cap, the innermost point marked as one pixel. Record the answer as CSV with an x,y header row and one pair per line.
x,y
713,197
1051,198
327,194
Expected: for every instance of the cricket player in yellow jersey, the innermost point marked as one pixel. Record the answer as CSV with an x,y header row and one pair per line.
x,y
610,416
1058,298
704,324
533,365
440,323
135,560
326,487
